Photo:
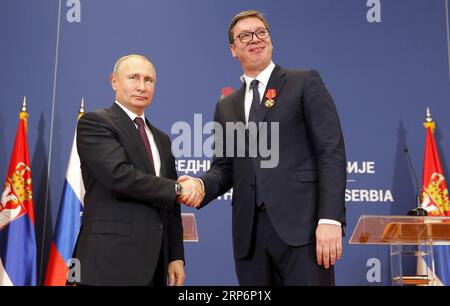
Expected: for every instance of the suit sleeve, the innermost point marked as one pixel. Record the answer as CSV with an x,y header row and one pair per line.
x,y
106,160
219,178
175,227
323,123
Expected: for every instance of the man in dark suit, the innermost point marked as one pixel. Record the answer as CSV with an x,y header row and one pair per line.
x,y
287,218
132,230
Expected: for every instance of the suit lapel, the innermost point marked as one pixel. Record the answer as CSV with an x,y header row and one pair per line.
x,y
160,147
238,104
276,81
127,126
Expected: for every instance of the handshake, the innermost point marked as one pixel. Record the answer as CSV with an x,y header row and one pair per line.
x,y
193,191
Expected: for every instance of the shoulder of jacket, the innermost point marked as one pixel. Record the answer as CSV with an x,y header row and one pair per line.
x,y
303,72
98,115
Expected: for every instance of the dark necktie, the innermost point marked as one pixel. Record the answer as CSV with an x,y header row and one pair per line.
x,y
253,116
256,102
141,128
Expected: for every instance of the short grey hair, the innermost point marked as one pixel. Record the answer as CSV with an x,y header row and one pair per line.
x,y
124,58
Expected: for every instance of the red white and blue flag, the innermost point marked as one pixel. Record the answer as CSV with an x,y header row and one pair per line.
x,y
18,265
68,222
435,199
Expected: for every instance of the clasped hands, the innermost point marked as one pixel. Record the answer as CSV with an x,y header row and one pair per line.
x,y
193,191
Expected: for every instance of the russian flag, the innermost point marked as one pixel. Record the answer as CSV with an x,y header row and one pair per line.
x,y
17,237
68,222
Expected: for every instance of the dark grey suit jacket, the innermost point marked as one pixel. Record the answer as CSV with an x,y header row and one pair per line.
x,y
309,182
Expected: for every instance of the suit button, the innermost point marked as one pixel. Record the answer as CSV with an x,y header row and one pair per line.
x,y
252,186
160,225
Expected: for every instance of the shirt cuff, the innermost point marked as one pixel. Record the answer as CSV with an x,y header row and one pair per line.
x,y
201,182
329,221
182,261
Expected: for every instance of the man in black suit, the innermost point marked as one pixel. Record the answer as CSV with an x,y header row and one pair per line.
x,y
287,218
132,231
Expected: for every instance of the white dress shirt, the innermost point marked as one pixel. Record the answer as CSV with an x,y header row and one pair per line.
x,y
155,152
263,79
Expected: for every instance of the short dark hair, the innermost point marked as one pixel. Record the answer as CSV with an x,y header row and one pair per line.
x,y
243,15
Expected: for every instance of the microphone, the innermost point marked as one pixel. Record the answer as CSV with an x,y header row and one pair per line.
x,y
418,211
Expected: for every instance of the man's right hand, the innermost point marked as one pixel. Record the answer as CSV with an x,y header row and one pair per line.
x,y
193,192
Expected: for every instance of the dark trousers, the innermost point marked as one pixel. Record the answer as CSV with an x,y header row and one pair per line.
x,y
159,277
271,262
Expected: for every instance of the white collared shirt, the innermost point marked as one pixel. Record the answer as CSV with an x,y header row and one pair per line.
x,y
155,152
263,79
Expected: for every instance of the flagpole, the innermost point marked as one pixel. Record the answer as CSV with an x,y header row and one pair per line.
x,y
24,113
81,111
24,104
50,148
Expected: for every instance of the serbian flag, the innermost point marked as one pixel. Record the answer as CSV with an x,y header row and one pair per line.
x,y
69,220
17,236
435,198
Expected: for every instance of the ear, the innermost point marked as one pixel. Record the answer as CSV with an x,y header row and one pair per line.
x,y
113,80
233,49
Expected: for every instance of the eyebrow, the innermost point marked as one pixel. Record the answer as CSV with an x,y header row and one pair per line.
x,y
140,75
248,31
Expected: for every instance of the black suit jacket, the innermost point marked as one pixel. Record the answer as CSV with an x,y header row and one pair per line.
x,y
309,181
129,213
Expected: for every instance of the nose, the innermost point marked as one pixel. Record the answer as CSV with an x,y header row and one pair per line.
x,y
141,85
255,39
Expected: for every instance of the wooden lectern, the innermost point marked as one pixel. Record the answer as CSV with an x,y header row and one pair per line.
x,y
408,237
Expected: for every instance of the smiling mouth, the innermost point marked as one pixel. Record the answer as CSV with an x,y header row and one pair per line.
x,y
256,49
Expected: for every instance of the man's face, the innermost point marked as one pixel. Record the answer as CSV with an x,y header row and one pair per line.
x,y
255,55
134,84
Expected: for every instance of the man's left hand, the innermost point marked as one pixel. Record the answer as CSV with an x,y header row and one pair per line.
x,y
176,273
328,244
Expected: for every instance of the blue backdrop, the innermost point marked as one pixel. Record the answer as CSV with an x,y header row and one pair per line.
x,y
383,61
